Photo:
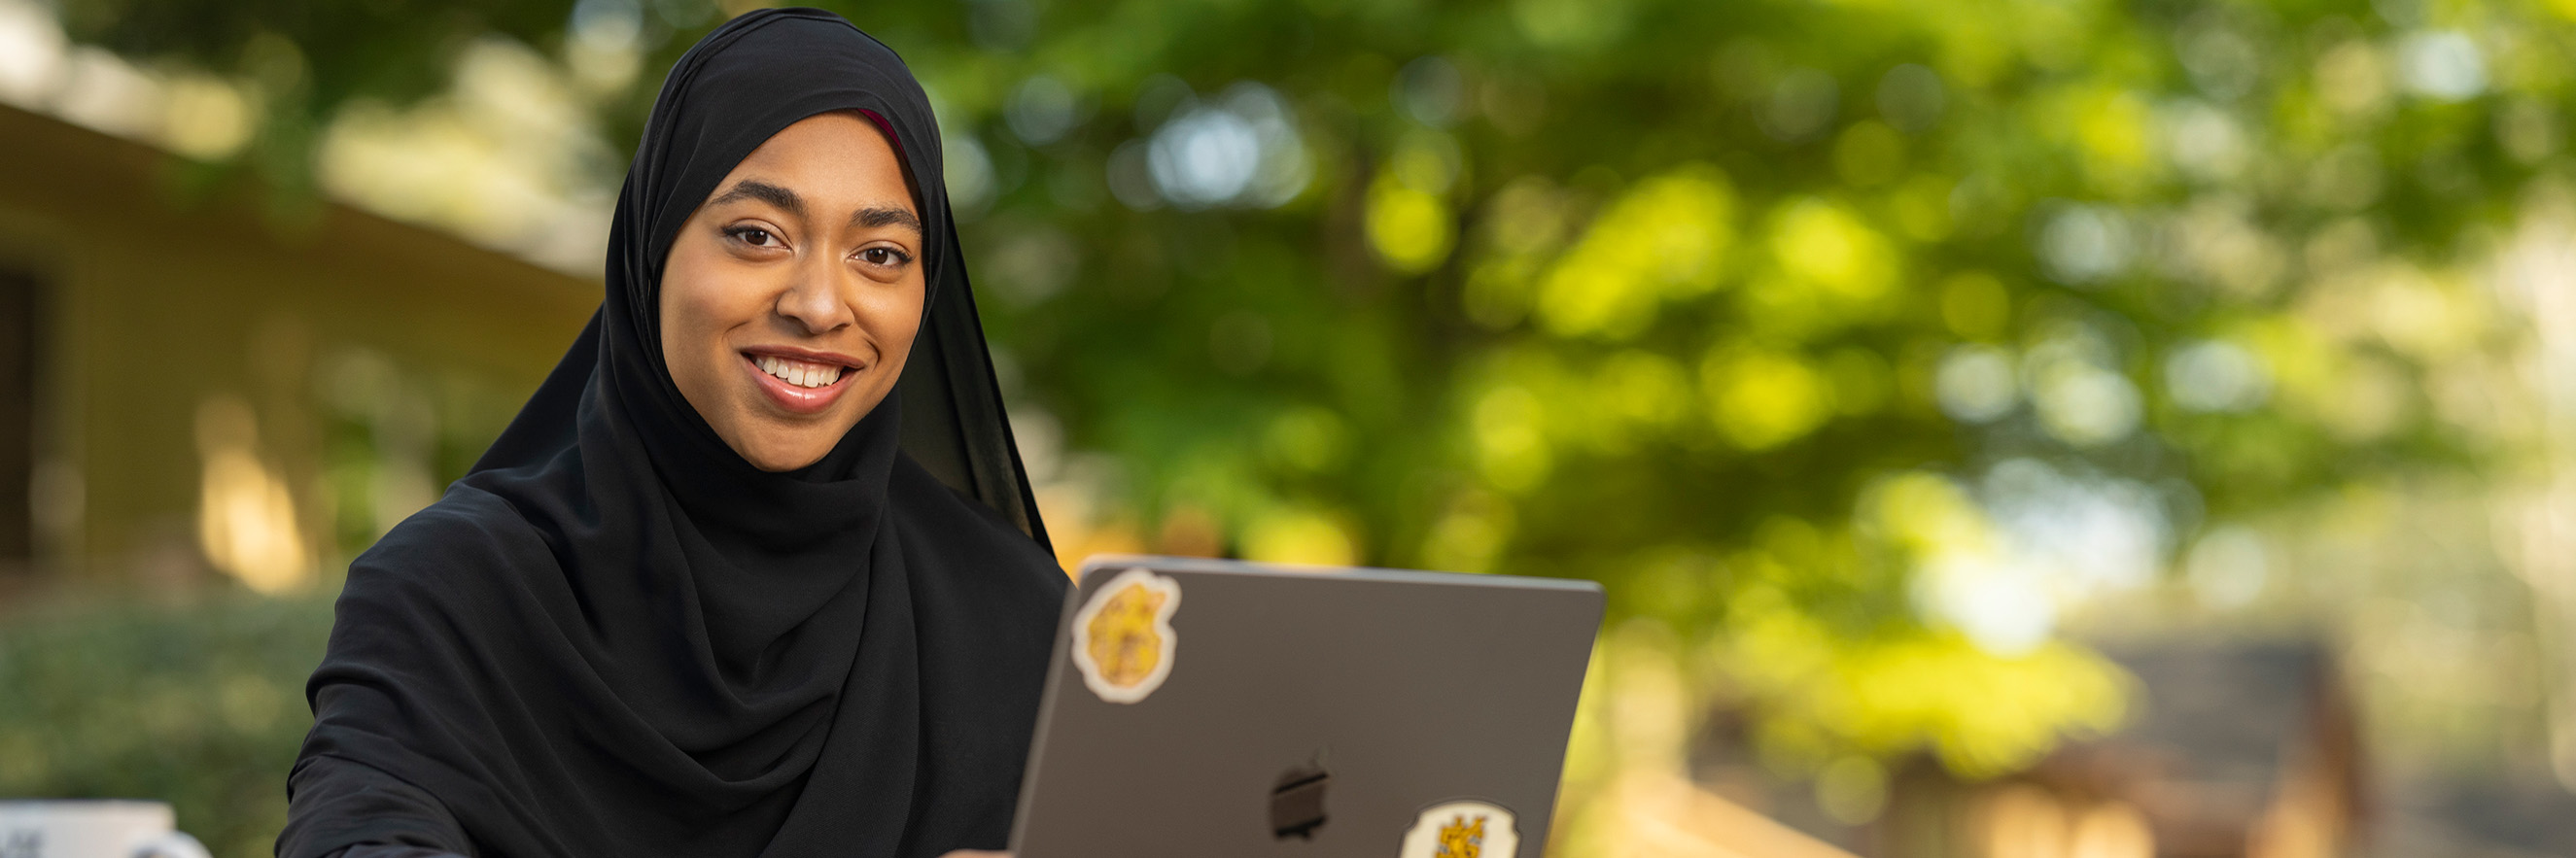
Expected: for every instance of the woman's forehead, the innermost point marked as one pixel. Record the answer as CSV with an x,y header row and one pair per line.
x,y
837,159
835,139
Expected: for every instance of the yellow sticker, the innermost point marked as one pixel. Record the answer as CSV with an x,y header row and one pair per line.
x,y
1462,829
1122,638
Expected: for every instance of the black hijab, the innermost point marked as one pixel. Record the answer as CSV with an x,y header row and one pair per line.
x,y
617,637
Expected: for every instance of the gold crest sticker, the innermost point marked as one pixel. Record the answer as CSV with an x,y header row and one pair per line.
x,y
1462,829
1122,638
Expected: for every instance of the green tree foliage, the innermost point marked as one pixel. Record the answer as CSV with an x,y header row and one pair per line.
x,y
1785,319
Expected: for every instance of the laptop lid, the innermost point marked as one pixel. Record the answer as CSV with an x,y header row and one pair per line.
x,y
1206,707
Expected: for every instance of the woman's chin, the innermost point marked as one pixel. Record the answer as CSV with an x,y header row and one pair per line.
x,y
784,457
778,439
778,449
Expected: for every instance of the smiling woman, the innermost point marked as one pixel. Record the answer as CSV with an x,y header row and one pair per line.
x,y
755,572
791,299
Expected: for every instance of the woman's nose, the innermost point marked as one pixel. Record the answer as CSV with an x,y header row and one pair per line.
x,y
813,300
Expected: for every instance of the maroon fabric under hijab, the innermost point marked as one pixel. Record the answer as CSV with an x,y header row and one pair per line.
x,y
616,637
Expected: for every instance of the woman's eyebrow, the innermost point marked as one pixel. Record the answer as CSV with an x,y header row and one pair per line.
x,y
873,217
755,189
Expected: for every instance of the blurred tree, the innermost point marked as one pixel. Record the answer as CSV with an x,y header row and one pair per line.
x,y
1855,343
200,706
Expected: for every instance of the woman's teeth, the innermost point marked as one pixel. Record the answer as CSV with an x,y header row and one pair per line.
x,y
800,373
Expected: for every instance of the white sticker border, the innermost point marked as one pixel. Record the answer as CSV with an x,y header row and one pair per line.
x,y
1423,839
1091,677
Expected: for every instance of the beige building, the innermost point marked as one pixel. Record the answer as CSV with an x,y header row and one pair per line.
x,y
197,379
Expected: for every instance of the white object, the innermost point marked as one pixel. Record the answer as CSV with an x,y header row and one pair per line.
x,y
92,829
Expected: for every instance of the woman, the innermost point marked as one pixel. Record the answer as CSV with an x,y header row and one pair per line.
x,y
712,592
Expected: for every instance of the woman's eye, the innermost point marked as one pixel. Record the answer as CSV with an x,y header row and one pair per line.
x,y
752,235
885,256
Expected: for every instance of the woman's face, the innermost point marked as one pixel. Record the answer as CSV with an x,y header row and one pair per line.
x,y
791,297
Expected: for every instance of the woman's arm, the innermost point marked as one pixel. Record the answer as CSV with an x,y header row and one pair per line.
x,y
337,808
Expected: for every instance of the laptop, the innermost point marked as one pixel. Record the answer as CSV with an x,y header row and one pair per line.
x,y
1208,707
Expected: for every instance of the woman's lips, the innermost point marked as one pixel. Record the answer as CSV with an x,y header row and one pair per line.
x,y
795,398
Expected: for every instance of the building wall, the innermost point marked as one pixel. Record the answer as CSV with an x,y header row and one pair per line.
x,y
176,325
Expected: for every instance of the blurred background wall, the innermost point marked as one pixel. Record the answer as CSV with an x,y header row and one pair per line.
x,y
2007,428
187,384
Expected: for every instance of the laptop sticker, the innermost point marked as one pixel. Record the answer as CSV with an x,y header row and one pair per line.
x,y
1462,829
1123,640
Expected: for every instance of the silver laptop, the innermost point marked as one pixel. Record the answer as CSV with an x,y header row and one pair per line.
x,y
1206,707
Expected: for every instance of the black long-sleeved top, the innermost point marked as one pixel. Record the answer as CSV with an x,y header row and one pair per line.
x,y
328,797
